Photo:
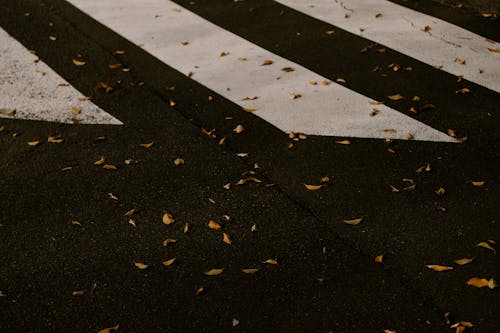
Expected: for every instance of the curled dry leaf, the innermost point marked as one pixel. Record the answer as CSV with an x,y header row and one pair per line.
x,y
168,262
109,167
379,258
463,261
239,129
102,85
226,239
440,191
313,187
168,241
480,283
250,270
54,139
110,329
460,61
75,111
78,62
199,291
33,143
353,222
76,223
178,161
271,261
439,268
141,265
78,293
395,97
115,66
267,62
214,272
478,183
129,213
147,145
486,245
214,225
168,219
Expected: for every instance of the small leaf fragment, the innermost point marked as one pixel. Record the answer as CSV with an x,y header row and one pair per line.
x,y
178,161
168,262
379,259
110,329
78,63
253,228
33,143
313,187
78,293
354,221
168,241
214,225
440,191
100,161
76,223
463,261
214,272
147,145
481,282
129,213
271,261
250,270
186,228
8,112
478,183
439,268
109,167
395,97
226,238
54,139
343,142
2,294
239,129
168,218
141,265
267,62
486,246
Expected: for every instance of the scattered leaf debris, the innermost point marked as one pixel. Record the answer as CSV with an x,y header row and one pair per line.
x,y
168,219
354,221
463,261
267,62
481,282
178,161
271,262
169,241
395,97
141,265
313,187
168,262
439,268
214,272
486,245
239,129
214,225
379,259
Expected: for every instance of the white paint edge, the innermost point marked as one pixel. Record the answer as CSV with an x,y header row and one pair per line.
x,y
33,89
403,29
160,27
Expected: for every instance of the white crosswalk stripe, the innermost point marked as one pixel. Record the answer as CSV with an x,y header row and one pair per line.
x,y
36,92
420,36
243,73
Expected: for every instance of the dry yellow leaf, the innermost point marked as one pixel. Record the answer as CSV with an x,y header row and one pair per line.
x,y
214,272
267,62
214,225
76,223
462,91
168,262
54,139
110,329
78,62
115,66
353,222
147,145
78,293
33,143
480,283
119,52
168,241
486,246
440,191
226,239
477,183
129,213
250,270
395,97
439,268
379,258
168,219
239,129
105,86
109,167
463,261
100,161
313,187
343,142
141,265
178,161
271,261
329,32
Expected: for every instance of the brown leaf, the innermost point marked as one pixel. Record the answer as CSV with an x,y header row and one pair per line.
x,y
129,213
271,261
2,294
75,111
439,268
329,32
379,258
478,183
313,187
186,228
168,262
267,62
486,246
199,291
76,223
119,52
250,270
100,161
226,239
462,91
78,293
102,85
147,145
178,161
109,167
427,28
168,219
287,69
497,50
33,143
223,54
353,222
480,283
440,191
395,97
463,261
214,225
214,272
78,62
110,329
168,241
54,139
115,66
140,265
239,129
343,142
460,61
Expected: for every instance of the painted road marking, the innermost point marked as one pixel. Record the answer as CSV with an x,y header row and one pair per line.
x,y
250,76
36,92
420,36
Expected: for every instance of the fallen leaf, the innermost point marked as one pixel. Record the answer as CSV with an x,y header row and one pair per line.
x,y
226,239
214,272
140,265
2,294
186,228
267,62
343,142
147,145
271,261
287,69
353,222
329,32
102,85
486,246
132,222
78,62
438,268
76,223
460,61
112,196
313,187
214,225
115,66
462,91
168,241
253,228
480,283
296,96
239,129
129,213
168,262
109,167
440,191
119,52
340,80
199,291
168,219
235,322
395,97
426,28
477,183
463,261
110,329
250,270
33,143
389,331
100,161
379,258
178,161
78,293
75,111
54,139
497,50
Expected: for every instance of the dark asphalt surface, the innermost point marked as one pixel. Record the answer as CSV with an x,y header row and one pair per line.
x,y
326,278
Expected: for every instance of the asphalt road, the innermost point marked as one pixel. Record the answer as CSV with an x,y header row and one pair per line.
x,y
57,275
